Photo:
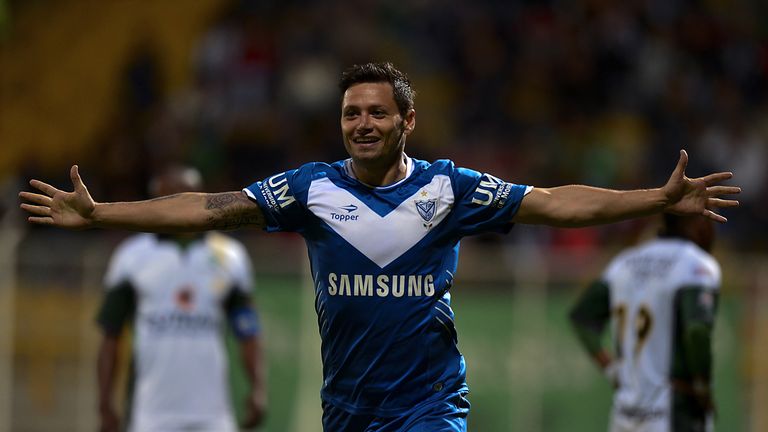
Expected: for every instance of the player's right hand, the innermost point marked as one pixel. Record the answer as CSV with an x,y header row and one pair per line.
x,y
55,207
109,422
611,373
255,409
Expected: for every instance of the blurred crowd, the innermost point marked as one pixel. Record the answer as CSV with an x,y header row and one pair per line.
x,y
536,92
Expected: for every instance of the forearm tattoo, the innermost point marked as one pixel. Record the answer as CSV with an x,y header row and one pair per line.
x,y
232,210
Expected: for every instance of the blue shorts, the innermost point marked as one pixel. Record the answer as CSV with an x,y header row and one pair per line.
x,y
444,415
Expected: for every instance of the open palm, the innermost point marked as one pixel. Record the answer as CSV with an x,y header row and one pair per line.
x,y
59,208
692,196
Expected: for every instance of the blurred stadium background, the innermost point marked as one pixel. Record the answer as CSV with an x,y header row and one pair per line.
x,y
536,92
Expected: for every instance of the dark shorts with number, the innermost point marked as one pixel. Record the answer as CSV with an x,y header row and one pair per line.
x,y
444,415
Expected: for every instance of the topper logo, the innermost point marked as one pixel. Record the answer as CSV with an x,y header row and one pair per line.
x,y
346,217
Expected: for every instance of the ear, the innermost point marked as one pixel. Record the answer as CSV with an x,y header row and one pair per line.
x,y
409,122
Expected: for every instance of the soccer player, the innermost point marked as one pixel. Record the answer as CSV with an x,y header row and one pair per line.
x,y
661,299
178,291
383,231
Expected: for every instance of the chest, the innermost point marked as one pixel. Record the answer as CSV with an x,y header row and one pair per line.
x,y
382,224
175,278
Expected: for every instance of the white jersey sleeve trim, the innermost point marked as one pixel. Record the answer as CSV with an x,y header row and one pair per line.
x,y
249,193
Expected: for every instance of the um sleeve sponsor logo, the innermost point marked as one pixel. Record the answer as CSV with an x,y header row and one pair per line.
x,y
491,191
278,184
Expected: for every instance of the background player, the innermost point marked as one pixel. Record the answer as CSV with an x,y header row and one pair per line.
x,y
178,291
383,232
661,298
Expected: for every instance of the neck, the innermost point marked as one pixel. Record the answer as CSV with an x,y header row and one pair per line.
x,y
383,175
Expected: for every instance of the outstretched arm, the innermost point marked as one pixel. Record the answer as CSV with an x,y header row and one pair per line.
x,y
577,205
182,212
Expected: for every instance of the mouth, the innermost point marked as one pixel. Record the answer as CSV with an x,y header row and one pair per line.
x,y
366,140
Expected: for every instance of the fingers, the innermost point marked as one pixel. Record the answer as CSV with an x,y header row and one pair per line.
x,y
77,181
253,419
36,198
721,203
714,216
682,163
40,220
716,178
723,190
43,187
36,210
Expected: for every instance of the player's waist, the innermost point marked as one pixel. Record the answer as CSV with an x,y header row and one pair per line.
x,y
639,413
394,402
161,322
396,381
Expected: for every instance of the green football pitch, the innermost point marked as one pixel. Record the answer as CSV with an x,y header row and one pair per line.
x,y
524,367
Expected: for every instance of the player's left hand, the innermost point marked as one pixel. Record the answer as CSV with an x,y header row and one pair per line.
x,y
255,409
611,373
693,196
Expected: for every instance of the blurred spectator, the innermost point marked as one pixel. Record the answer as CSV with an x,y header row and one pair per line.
x,y
593,92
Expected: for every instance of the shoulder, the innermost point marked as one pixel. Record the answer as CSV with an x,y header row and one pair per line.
x,y
231,256
320,169
129,257
135,245
439,164
698,267
619,261
285,187
303,176
447,167
224,245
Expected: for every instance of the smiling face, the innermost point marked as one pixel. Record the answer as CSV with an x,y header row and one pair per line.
x,y
374,131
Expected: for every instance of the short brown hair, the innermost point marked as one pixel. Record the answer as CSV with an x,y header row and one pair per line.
x,y
381,72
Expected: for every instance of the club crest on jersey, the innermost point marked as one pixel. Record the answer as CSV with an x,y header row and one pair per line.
x,y
185,298
427,210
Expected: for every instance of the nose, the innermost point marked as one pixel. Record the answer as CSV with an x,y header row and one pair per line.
x,y
364,124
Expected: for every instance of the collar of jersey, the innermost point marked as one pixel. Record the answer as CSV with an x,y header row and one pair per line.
x,y
351,174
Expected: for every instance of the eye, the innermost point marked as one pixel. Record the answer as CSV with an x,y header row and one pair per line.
x,y
378,114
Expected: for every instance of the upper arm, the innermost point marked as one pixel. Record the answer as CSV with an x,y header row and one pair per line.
x,y
697,305
232,210
283,198
483,202
243,316
117,308
590,314
537,207
696,309
592,309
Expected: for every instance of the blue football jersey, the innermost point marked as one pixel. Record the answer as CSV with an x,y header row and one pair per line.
x,y
383,261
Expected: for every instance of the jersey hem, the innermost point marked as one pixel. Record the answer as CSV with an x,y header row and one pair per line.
x,y
391,412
